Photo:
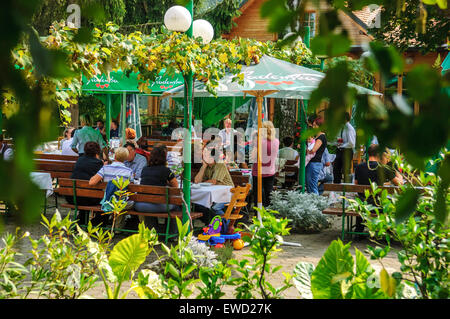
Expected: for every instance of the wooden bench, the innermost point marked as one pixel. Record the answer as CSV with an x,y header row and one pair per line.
x,y
347,215
290,171
141,193
59,157
58,169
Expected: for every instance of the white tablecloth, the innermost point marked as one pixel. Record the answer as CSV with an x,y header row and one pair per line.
x,y
206,195
43,180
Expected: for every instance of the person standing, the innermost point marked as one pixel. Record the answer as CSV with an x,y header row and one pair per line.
x,y
86,134
270,146
114,131
226,134
315,165
346,142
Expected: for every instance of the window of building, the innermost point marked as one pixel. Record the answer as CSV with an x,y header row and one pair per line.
x,y
310,21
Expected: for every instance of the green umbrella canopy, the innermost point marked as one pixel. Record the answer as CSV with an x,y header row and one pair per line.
x,y
446,64
118,82
289,80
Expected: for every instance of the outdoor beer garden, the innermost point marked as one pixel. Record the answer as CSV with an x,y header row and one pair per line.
x,y
287,151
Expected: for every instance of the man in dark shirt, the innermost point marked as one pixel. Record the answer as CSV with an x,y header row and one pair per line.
x,y
376,171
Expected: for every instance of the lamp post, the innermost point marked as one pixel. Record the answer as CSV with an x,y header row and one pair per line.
x,y
178,18
303,119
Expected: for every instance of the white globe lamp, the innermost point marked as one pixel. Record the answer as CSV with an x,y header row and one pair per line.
x,y
177,18
203,29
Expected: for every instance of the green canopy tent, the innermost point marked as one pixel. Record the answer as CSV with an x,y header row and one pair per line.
x,y
113,90
446,64
272,78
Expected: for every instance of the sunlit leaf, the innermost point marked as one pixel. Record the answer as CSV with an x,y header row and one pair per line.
x,y
406,204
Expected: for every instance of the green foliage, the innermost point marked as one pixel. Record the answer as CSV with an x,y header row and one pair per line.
x,y
303,210
214,279
358,73
177,279
89,104
92,13
339,276
125,259
13,273
424,27
411,218
63,264
264,242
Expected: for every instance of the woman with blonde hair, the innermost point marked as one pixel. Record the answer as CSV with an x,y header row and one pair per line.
x,y
269,152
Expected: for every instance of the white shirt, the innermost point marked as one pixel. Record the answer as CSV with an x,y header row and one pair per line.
x,y
66,147
226,136
348,135
8,154
289,154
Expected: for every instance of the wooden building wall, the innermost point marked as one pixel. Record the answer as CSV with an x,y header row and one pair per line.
x,y
250,24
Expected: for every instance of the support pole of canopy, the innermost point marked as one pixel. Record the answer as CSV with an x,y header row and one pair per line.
x,y
302,114
259,100
188,131
123,124
233,110
108,118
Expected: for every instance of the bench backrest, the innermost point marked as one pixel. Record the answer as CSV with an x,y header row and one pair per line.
x,y
354,188
57,169
57,157
167,143
156,194
82,188
141,193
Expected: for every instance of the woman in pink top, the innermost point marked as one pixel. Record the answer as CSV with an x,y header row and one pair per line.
x,y
269,152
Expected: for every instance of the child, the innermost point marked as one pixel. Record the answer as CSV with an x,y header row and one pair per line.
x,y
310,145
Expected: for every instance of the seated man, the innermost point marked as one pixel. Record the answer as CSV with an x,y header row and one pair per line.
x,y
109,172
375,171
217,174
287,152
325,175
213,172
135,161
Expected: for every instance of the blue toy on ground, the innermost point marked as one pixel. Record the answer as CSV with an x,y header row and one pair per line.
x,y
211,233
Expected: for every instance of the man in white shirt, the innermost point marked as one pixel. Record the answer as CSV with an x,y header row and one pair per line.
x,y
287,152
346,142
226,134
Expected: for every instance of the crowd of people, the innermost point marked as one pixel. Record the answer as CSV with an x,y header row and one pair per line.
x,y
221,152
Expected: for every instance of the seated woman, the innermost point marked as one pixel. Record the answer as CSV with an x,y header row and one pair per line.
x,y
86,167
156,174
